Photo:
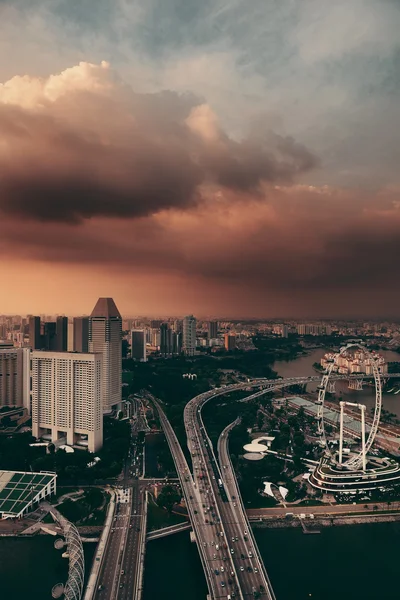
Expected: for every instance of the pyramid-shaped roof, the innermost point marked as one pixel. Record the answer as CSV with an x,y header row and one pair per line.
x,y
105,307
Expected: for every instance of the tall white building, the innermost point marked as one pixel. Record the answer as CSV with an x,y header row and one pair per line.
x,y
67,398
189,335
138,345
105,336
15,377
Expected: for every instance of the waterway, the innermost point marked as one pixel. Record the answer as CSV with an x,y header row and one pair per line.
x,y
304,366
29,568
358,562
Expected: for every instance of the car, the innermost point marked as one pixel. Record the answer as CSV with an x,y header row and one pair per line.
x,y
232,551
216,572
242,568
245,533
222,584
234,504
250,555
236,538
222,569
214,556
122,572
233,539
255,570
205,544
250,570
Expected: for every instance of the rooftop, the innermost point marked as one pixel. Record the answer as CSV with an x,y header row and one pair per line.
x,y
17,489
105,307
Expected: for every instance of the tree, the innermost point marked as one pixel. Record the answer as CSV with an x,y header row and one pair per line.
x,y
168,497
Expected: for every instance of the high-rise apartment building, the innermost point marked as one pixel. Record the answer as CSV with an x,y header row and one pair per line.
x,y
81,334
15,377
230,341
62,334
212,330
105,336
67,398
138,345
189,335
35,337
70,346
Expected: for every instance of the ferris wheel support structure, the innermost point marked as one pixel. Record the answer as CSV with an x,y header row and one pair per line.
x,y
359,459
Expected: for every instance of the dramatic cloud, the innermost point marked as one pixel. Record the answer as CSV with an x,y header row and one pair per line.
x,y
264,181
82,144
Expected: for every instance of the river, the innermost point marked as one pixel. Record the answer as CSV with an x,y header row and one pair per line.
x,y
304,366
30,567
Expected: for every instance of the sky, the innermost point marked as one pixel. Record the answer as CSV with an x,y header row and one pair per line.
x,y
224,157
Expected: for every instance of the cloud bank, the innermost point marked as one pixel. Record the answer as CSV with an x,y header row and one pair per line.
x,y
82,144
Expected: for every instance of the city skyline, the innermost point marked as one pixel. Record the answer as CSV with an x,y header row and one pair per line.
x,y
216,159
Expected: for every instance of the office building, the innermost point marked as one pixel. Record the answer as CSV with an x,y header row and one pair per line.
x,y
138,345
35,337
166,340
189,335
81,334
105,337
62,334
229,341
15,377
67,398
212,330
50,336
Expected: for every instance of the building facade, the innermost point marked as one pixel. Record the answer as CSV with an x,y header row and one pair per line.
x,y
105,337
62,334
212,332
138,345
229,341
35,337
67,398
189,335
15,377
81,334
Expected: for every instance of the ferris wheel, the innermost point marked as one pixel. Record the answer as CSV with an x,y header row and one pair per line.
x,y
357,460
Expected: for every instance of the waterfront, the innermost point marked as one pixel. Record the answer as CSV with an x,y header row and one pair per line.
x,y
30,567
328,566
304,366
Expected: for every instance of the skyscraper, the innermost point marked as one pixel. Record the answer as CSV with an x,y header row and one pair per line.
x,y
212,330
81,334
138,345
62,334
105,336
15,377
50,336
189,335
67,398
35,338
230,341
166,342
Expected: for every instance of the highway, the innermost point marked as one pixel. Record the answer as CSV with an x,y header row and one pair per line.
x,y
254,569
213,548
119,576
248,578
110,571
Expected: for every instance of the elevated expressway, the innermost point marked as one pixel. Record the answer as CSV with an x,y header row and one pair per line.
x,y
208,535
